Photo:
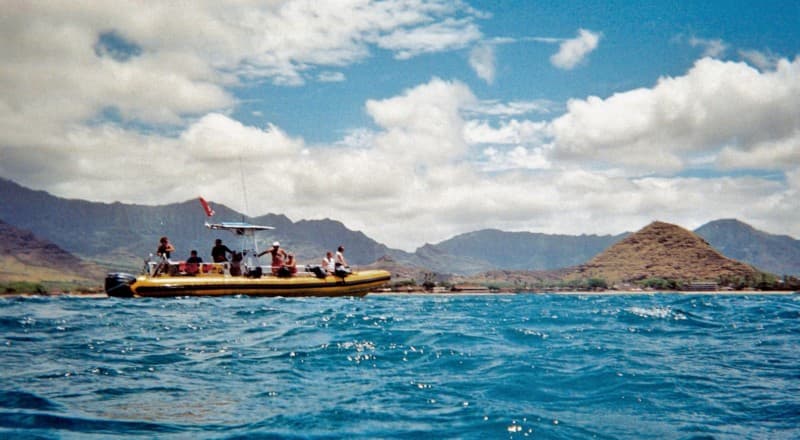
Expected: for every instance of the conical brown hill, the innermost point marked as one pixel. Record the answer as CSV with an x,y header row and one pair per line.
x,y
662,250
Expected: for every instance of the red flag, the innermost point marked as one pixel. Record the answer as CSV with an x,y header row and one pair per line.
x,y
206,207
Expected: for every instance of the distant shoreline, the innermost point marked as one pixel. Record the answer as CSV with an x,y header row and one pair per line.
x,y
598,293
100,295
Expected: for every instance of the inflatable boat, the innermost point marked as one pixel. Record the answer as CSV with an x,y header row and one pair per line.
x,y
162,277
215,280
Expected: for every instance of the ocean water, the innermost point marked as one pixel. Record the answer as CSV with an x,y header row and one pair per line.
x,y
487,366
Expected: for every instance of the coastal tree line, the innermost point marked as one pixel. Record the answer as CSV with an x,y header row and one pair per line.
x,y
762,282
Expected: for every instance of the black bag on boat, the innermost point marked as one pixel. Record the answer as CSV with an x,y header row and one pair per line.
x,y
316,270
255,272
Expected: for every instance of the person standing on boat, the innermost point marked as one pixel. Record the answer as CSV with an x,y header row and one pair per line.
x,y
218,252
278,255
165,248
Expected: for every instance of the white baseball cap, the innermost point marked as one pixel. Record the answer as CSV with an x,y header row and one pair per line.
x,y
276,244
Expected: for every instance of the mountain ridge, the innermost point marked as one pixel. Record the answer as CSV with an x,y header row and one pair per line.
x,y
502,249
778,254
24,257
661,256
119,236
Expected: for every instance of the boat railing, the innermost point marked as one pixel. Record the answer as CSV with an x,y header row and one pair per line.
x,y
182,268
165,267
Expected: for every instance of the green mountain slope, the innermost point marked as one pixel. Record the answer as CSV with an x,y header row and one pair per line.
x,y
526,250
778,254
25,257
120,235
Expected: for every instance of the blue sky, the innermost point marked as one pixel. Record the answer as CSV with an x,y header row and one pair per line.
x,y
413,121
641,41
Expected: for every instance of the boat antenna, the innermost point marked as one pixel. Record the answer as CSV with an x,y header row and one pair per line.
x,y
244,189
246,211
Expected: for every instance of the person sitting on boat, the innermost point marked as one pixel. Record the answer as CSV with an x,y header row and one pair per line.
x,y
236,264
165,248
340,260
291,264
329,263
193,258
289,267
278,255
193,263
219,251
341,268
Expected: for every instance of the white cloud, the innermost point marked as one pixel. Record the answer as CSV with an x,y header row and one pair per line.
x,y
52,77
56,69
516,158
329,76
764,61
793,180
513,132
512,108
713,48
753,116
510,146
444,35
572,52
440,196
425,122
482,60
781,153
217,137
437,160
408,182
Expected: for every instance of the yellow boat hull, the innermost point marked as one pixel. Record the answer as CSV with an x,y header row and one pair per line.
x,y
354,284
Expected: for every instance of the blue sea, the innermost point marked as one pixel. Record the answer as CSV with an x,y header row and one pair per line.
x,y
519,366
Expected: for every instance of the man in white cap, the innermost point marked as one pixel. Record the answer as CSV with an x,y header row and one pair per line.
x,y
278,255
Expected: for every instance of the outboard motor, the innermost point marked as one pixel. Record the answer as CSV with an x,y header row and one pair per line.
x,y
118,284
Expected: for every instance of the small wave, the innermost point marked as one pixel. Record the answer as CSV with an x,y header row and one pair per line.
x,y
537,334
262,312
398,367
124,391
103,371
658,312
24,400
38,421
162,358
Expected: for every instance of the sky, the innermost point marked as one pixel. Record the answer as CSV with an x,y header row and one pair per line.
x,y
412,120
